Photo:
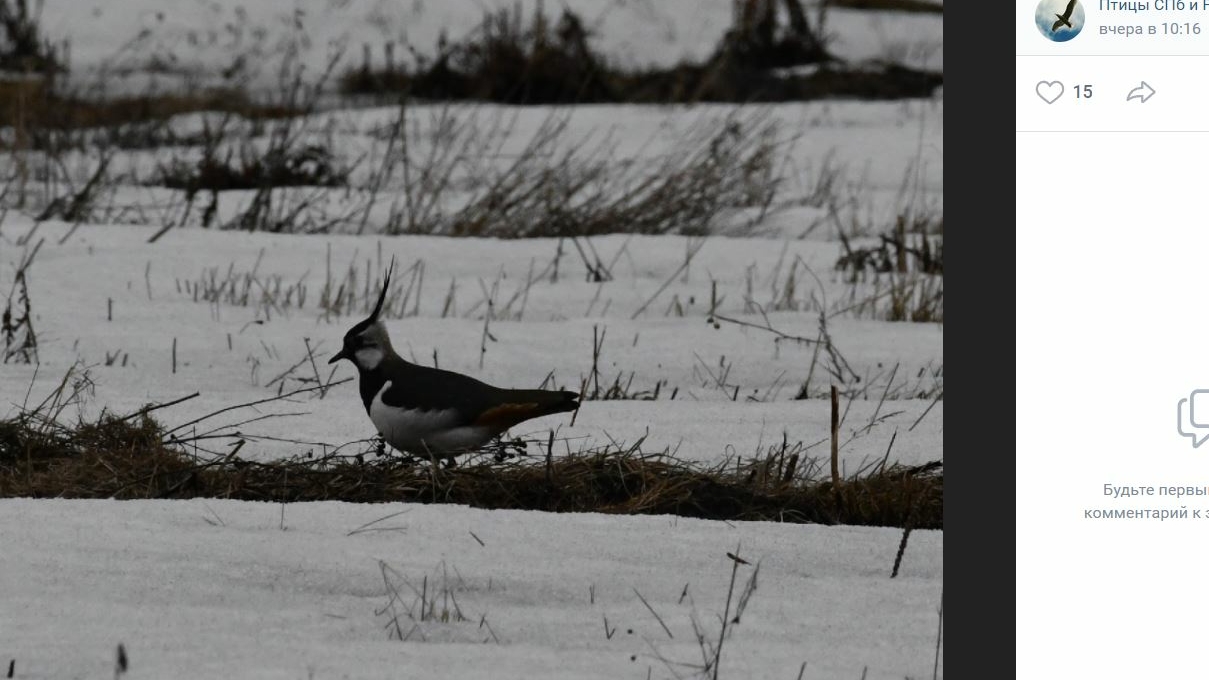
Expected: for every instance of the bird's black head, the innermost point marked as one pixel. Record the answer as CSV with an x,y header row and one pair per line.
x,y
367,343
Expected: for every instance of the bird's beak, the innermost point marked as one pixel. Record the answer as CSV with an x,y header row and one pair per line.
x,y
339,355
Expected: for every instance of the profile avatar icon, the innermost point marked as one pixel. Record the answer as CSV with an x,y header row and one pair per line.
x,y
1060,20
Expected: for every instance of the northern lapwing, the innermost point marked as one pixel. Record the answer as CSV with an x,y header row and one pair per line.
x,y
430,412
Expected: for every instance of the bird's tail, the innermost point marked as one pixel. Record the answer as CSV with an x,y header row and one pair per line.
x,y
521,405
552,401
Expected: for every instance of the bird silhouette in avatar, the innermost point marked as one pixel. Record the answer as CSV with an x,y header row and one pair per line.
x,y
1064,18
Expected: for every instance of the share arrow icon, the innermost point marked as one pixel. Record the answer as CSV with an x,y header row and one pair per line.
x,y
1142,93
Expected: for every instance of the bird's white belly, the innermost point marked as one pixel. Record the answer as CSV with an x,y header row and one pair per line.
x,y
419,432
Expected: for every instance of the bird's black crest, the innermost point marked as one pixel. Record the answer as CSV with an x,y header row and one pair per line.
x,y
382,296
373,317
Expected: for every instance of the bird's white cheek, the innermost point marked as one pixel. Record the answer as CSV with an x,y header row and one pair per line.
x,y
368,357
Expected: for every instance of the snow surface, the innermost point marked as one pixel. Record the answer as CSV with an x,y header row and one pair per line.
x,y
227,589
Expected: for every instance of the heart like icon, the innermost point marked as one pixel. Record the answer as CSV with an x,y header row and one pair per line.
x,y
1050,90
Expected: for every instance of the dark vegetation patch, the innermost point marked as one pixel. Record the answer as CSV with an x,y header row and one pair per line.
x,y
44,118
134,457
23,48
903,250
691,83
310,165
517,60
905,268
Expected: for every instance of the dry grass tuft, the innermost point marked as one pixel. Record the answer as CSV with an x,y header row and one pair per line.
x,y
109,458
43,454
129,459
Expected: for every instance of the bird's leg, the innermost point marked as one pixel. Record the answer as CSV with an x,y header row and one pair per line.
x,y
435,460
518,446
499,450
505,449
409,459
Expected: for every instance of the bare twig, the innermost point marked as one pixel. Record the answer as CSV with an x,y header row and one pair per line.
x,y
655,614
366,527
835,438
253,403
921,416
694,248
155,407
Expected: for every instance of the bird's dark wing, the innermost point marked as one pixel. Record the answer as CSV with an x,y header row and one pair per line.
x,y
476,402
1056,25
1070,7
434,389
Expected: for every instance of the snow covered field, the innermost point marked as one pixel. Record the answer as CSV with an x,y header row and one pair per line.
x,y
226,589
231,353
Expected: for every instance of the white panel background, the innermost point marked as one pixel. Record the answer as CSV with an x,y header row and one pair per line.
x,y
1112,329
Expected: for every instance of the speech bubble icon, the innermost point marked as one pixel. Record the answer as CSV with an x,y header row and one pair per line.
x,y
1198,405
1198,429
